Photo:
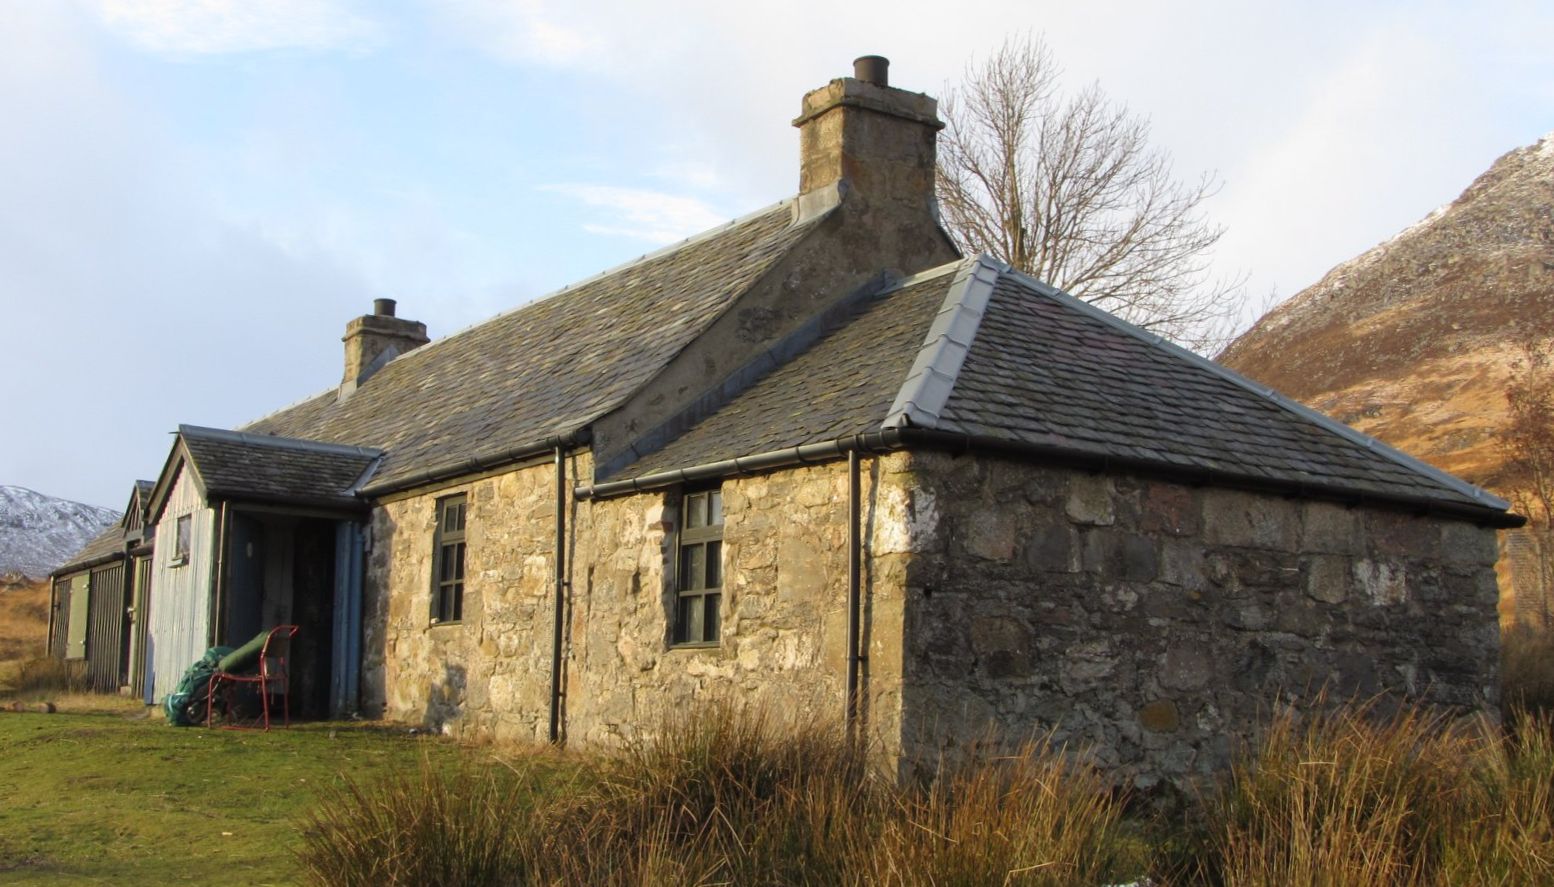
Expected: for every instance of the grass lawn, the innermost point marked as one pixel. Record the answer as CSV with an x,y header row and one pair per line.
x,y
116,798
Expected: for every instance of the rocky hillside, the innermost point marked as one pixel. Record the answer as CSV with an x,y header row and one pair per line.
x,y
1411,341
38,532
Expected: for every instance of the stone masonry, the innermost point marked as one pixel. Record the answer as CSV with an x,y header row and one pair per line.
x,y
784,606
1152,624
1156,624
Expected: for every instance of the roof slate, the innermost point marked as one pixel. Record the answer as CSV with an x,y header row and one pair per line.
x,y
104,545
1041,368
843,384
1046,371
550,367
238,465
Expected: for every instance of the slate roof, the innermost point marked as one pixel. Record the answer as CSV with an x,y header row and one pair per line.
x,y
550,367
976,349
101,548
842,385
1050,370
255,466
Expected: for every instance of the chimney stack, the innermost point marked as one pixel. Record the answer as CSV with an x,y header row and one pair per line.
x,y
373,340
878,140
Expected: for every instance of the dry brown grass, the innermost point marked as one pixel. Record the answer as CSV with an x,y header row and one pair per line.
x,y
1344,799
1354,798
1527,671
724,797
24,626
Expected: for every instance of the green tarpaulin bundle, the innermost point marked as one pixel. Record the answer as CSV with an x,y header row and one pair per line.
x,y
185,706
243,657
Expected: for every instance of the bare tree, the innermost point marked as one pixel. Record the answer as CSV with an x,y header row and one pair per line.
x,y
1070,191
1527,441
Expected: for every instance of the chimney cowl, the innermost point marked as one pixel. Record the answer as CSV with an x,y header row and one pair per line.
x,y
383,307
873,69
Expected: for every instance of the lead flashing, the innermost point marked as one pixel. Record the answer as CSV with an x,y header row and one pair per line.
x,y
932,377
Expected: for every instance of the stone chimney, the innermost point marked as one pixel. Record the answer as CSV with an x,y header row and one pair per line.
x,y
373,340
875,139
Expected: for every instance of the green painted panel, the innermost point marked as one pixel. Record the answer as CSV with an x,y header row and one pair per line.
x,y
80,598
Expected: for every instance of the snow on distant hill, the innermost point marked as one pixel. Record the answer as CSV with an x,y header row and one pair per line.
x,y
38,532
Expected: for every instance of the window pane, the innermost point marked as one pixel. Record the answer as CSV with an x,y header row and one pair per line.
x,y
458,516
458,601
715,508
693,567
682,619
695,511
696,630
711,620
458,561
714,565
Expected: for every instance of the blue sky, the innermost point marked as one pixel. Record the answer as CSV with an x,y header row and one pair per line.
x,y
196,195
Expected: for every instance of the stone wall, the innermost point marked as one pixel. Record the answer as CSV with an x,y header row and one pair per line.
x,y
1153,623
784,606
490,673
1157,624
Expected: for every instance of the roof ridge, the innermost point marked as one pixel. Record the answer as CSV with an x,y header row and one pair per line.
x,y
278,442
934,371
1300,410
659,253
806,212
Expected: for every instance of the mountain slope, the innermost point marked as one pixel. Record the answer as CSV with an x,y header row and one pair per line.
x,y
1411,341
38,532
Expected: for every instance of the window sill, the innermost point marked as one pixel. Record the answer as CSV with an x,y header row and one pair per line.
x,y
178,562
436,623
702,645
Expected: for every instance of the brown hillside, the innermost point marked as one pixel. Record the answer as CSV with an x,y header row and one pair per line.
x,y
1410,341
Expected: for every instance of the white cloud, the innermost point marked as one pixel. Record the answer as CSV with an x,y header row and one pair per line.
x,y
690,173
642,214
520,30
209,27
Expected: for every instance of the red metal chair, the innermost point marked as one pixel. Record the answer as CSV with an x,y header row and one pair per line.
x,y
268,680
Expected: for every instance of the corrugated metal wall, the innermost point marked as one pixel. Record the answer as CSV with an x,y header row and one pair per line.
x,y
59,623
180,619
105,628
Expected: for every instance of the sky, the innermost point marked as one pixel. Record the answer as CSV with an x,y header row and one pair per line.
x,y
197,195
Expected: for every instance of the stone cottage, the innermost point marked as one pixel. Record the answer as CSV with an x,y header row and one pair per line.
x,y
814,458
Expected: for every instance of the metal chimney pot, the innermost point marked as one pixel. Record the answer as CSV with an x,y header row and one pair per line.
x,y
873,69
383,307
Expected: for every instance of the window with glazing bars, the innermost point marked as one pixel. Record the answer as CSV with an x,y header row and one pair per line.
x,y
448,566
700,574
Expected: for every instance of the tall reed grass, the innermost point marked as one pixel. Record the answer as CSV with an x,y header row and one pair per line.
x,y
726,797
1355,798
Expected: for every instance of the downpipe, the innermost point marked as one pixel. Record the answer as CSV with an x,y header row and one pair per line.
x,y
854,591
561,595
